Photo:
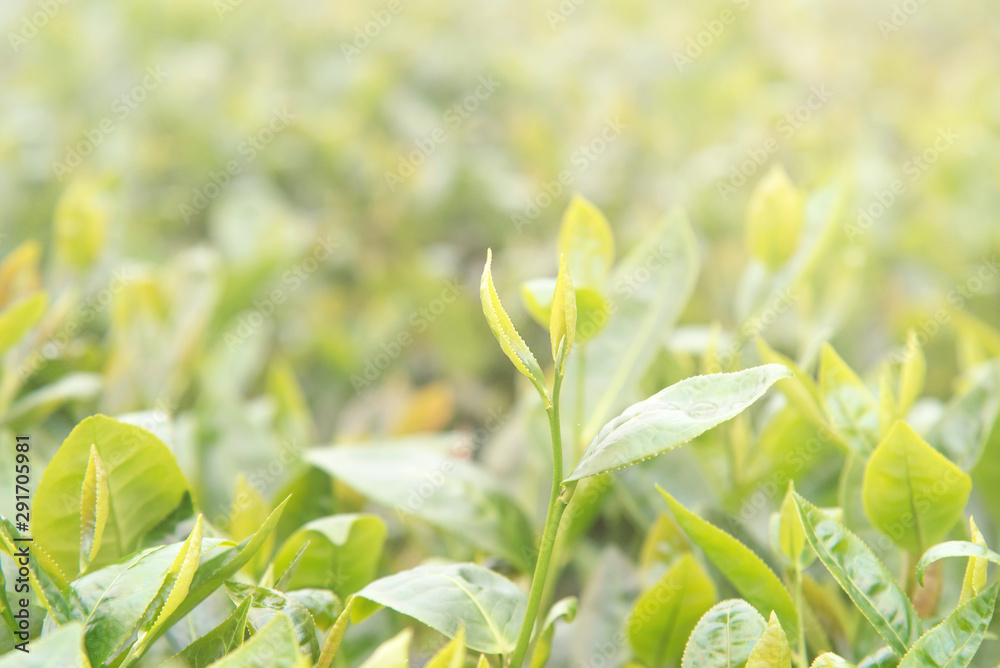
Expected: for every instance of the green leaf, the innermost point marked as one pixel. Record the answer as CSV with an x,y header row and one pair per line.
x,y
881,658
342,555
649,289
964,428
912,373
218,642
80,226
144,485
62,648
451,655
911,492
775,216
772,650
248,511
172,592
791,538
852,410
268,603
393,653
93,509
562,322
724,637
19,317
418,478
322,604
566,609
274,646
45,578
830,660
859,573
586,240
445,598
954,548
749,574
665,614
673,416
336,636
954,642
975,571
507,335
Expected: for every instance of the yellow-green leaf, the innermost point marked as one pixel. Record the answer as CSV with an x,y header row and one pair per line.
x,y
851,409
336,636
393,653
248,511
507,336
775,217
94,509
975,572
666,613
912,492
791,537
451,655
830,660
585,239
19,317
81,222
801,389
772,650
273,646
562,322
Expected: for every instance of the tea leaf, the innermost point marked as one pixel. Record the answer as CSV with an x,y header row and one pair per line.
x,y
911,492
830,660
143,481
585,239
445,598
749,574
954,548
19,317
451,655
342,555
506,334
724,637
954,642
93,509
273,646
862,576
775,216
562,322
673,416
393,653
772,650
665,614
62,647
218,642
852,411
268,603
563,609
336,636
975,571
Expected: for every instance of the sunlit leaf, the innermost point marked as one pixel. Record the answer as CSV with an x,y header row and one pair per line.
x,y
336,635
724,637
954,642
665,614
772,650
273,646
586,240
749,574
393,653
94,508
830,660
852,410
445,598
975,571
451,655
859,573
911,492
674,416
775,216
562,322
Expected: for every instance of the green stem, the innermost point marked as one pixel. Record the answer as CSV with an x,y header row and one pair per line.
x,y
803,660
554,514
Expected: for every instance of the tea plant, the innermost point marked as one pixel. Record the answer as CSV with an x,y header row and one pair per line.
x,y
821,525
